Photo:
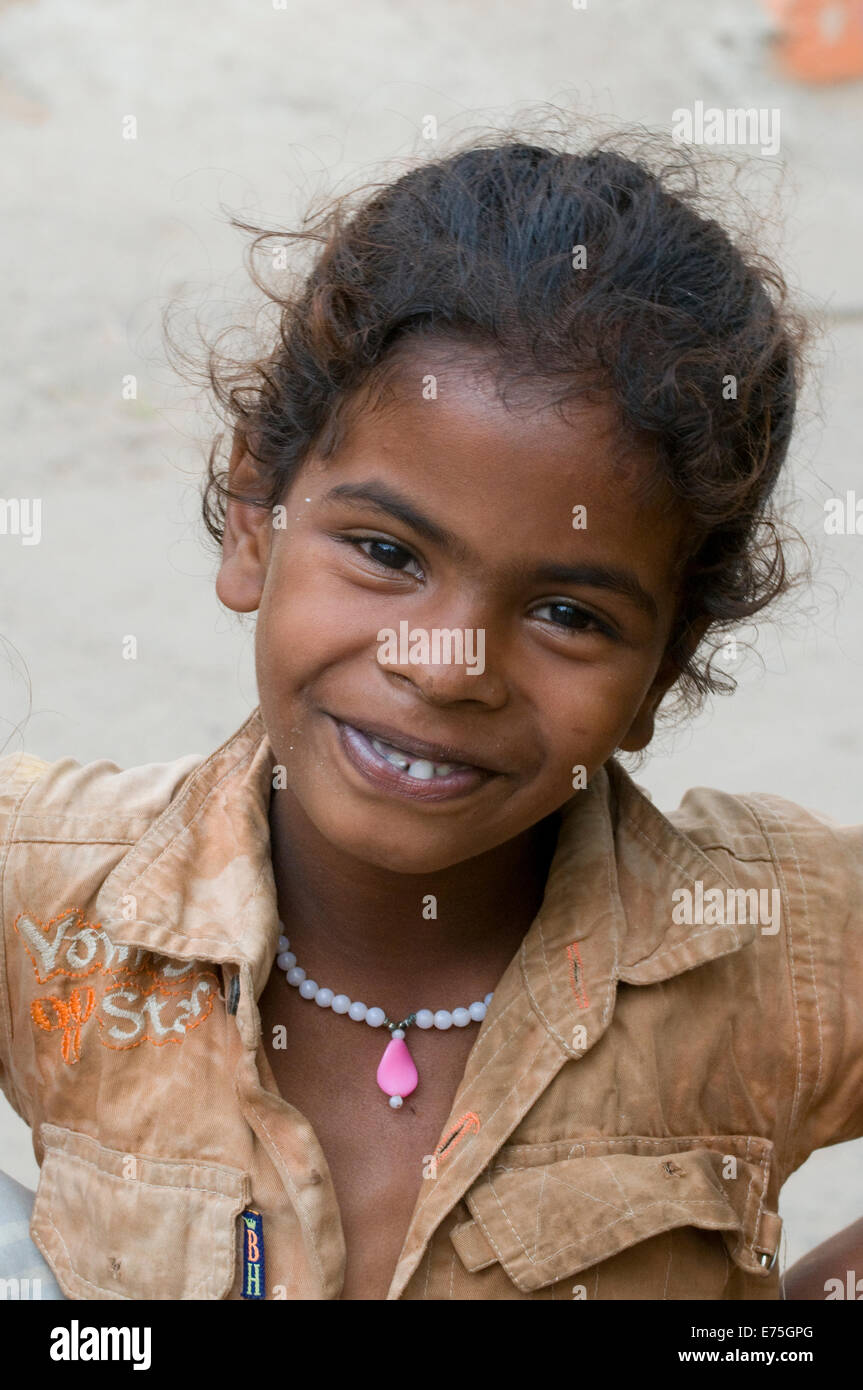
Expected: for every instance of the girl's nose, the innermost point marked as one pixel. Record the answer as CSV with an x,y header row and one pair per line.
x,y
445,664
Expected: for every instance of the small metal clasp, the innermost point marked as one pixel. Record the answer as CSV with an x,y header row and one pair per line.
x,y
234,993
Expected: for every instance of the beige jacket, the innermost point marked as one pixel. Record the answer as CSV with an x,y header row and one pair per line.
x,y
639,1090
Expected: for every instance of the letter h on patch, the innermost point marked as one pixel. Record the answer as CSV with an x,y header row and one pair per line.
x,y
253,1254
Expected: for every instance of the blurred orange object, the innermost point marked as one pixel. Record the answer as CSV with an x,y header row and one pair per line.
x,y
819,40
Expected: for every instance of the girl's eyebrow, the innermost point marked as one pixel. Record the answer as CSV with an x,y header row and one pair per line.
x,y
608,577
386,499
594,576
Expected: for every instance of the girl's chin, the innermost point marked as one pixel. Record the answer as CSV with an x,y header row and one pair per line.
x,y
392,851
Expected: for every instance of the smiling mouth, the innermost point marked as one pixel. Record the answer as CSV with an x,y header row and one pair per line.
x,y
411,768
420,768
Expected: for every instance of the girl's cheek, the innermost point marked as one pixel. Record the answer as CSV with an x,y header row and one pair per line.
x,y
585,728
304,631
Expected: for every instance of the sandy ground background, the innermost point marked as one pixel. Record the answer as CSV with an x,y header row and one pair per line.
x,y
243,105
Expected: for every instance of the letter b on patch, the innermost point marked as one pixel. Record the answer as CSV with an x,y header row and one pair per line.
x,y
253,1254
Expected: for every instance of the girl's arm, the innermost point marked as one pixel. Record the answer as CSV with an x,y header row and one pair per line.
x,y
839,1258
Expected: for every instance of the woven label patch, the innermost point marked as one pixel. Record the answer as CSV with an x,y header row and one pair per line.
x,y
254,1285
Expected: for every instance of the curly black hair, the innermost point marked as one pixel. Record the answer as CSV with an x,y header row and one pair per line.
x,y
593,271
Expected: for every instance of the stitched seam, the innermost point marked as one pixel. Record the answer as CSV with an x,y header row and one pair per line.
x,y
798,1032
545,963
205,1280
59,1234
517,1237
492,1242
299,1206
746,1203
150,864
642,1141
668,1266
59,1146
493,1028
83,839
752,857
601,1230
142,1182
805,895
503,1102
728,1270
668,858
742,1243
684,1203
609,997
5,1000
604,1161
694,936
542,1014
540,1196
611,871
508,1037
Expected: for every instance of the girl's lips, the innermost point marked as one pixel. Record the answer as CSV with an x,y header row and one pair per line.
x,y
378,770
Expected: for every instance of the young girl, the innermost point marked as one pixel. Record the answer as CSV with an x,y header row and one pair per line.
x,y
407,991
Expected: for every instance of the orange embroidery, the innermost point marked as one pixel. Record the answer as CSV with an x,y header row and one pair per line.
x,y
69,1016
160,968
129,1015
130,1010
576,979
71,946
468,1124
67,945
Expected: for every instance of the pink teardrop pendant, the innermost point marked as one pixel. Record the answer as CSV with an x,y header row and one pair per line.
x,y
397,1075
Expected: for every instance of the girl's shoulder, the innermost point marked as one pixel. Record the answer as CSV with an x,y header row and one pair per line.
x,y
104,800
747,827
786,883
99,797
709,813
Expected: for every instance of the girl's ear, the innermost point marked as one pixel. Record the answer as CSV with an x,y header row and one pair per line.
x,y
247,537
641,729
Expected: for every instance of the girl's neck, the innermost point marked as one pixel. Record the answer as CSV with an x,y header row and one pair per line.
x,y
355,922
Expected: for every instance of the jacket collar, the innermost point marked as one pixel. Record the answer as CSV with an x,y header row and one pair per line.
x,y
199,885
607,914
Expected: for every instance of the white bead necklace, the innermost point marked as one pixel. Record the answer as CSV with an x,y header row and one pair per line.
x,y
397,1074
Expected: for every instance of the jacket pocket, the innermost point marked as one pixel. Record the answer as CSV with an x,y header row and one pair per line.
x,y
116,1225
548,1211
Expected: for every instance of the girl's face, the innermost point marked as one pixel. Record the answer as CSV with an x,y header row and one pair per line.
x,y
456,609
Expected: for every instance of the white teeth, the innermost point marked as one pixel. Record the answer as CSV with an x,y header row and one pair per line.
x,y
421,769
392,755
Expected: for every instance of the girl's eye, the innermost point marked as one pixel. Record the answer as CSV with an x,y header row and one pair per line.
x,y
573,617
388,554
